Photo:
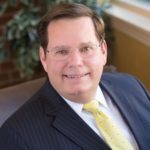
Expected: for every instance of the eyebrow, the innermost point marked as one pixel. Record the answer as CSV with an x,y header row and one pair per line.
x,y
60,47
66,46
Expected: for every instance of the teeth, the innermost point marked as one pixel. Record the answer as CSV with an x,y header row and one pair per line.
x,y
75,76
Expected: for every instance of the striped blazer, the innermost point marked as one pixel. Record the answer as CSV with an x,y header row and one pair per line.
x,y
46,122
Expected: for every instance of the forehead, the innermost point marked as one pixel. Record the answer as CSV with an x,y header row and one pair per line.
x,y
70,23
72,29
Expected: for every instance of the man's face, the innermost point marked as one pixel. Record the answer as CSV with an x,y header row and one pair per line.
x,y
75,77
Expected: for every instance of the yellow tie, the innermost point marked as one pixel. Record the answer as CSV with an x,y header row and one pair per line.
x,y
111,133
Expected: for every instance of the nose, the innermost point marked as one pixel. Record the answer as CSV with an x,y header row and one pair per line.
x,y
75,59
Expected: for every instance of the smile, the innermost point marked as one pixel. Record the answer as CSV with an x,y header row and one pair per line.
x,y
75,76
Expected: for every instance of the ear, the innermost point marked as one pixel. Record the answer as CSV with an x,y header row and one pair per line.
x,y
104,51
43,58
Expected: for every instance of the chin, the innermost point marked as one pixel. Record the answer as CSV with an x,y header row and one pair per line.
x,y
78,91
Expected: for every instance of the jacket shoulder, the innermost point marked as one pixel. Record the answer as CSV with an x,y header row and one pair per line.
x,y
124,82
121,79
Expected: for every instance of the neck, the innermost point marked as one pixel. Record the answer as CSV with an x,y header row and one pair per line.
x,y
81,97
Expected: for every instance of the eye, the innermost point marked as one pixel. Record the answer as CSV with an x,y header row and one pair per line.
x,y
62,52
87,48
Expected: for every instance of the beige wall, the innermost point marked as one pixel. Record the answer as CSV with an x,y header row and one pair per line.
x,y
131,56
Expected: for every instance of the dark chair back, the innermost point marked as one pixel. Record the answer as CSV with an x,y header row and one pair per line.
x,y
13,97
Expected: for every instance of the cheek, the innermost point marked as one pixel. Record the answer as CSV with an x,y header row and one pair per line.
x,y
97,62
97,65
55,69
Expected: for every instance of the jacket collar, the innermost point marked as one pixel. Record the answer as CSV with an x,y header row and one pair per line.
x,y
71,125
130,106
68,122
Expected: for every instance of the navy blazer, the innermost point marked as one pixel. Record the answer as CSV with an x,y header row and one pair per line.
x,y
46,121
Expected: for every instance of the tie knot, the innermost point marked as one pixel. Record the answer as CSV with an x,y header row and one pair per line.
x,y
92,106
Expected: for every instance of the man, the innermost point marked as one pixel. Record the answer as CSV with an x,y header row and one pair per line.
x,y
73,53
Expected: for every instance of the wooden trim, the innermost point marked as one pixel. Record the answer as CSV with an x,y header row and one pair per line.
x,y
132,24
136,6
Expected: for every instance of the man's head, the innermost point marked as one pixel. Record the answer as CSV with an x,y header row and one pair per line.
x,y
73,50
65,10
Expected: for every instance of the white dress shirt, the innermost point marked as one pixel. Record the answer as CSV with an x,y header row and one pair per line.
x,y
110,109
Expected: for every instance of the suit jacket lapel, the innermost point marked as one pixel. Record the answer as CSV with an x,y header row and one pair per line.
x,y
128,107
69,123
73,127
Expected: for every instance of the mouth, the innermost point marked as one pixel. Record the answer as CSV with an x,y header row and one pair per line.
x,y
76,76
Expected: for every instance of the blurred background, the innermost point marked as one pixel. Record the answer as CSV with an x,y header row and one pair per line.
x,y
127,35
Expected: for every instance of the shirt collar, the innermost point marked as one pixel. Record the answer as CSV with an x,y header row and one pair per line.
x,y
100,97
77,107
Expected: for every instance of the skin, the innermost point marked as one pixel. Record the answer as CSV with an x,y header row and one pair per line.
x,y
75,78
